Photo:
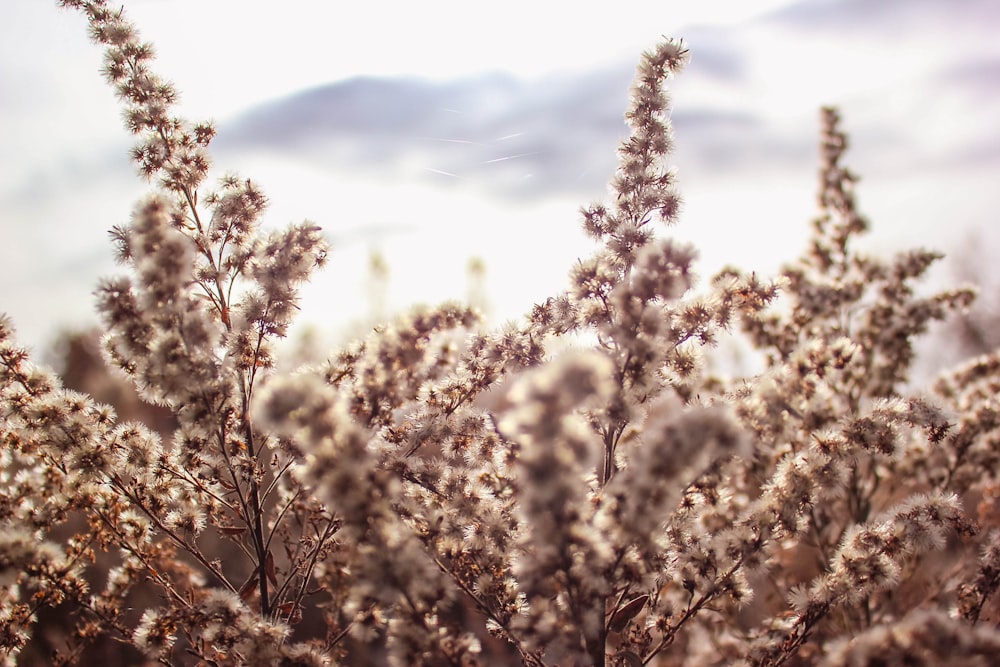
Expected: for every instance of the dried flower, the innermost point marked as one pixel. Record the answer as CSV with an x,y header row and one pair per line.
x,y
576,488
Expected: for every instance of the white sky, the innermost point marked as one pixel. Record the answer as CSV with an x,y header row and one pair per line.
x,y
56,114
59,121
228,54
269,48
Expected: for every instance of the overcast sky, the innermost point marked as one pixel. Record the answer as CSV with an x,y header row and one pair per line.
x,y
490,125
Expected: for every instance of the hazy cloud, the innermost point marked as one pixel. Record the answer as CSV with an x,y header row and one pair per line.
x,y
557,135
887,17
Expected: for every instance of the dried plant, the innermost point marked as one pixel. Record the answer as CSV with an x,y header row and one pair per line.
x,y
443,494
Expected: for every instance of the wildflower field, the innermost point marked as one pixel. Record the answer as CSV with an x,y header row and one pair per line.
x,y
576,488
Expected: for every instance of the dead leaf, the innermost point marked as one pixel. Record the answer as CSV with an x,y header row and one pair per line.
x,y
620,619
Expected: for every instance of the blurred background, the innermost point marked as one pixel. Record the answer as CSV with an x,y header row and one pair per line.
x,y
446,146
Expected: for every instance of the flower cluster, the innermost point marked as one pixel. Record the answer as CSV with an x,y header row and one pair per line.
x,y
576,488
